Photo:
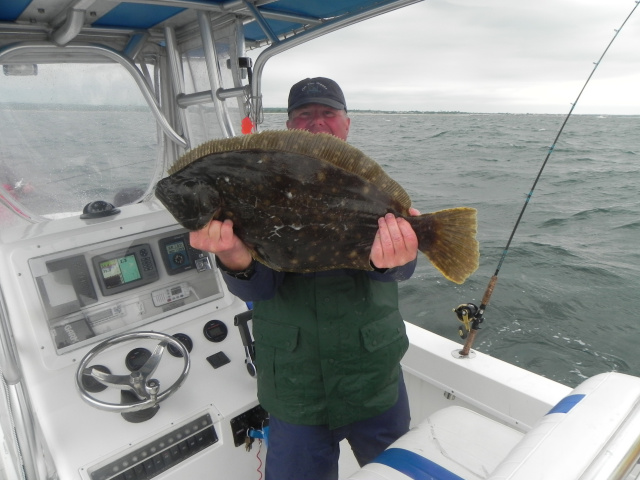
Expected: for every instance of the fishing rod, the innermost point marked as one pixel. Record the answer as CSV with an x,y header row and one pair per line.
x,y
471,315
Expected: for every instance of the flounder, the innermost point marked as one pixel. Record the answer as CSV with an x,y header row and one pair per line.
x,y
304,202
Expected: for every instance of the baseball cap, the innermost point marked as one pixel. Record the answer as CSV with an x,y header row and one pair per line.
x,y
316,90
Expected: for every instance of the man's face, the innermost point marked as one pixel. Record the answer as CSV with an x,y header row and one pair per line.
x,y
316,118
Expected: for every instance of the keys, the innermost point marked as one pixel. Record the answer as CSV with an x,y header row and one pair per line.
x,y
248,443
252,434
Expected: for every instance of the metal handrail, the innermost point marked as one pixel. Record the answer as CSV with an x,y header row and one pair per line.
x,y
9,364
177,78
22,421
211,59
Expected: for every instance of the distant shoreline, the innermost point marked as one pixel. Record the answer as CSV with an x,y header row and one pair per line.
x,y
453,112
410,112
141,108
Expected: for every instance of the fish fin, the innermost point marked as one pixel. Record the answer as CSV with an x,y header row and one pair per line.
x,y
321,146
448,239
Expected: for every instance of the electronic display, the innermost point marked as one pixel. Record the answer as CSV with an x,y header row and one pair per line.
x,y
177,254
118,271
123,270
176,247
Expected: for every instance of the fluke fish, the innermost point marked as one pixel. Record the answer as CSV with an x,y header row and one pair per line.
x,y
305,202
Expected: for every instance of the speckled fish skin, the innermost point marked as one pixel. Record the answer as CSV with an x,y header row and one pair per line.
x,y
294,211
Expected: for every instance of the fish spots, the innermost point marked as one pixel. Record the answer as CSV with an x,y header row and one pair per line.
x,y
289,195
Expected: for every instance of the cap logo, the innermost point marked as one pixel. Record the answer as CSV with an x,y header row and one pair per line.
x,y
314,89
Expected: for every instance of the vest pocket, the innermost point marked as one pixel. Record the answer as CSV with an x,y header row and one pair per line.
x,y
276,335
383,332
276,363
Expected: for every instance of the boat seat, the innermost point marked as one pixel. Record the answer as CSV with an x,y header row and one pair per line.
x,y
591,434
452,444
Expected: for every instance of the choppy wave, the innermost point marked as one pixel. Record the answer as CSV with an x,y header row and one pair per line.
x,y
439,134
631,225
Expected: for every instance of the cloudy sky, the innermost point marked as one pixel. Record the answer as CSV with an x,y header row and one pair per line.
x,y
464,55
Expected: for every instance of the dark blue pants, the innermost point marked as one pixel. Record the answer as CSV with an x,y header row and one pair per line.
x,y
310,452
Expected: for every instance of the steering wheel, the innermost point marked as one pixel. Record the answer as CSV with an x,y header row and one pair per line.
x,y
139,382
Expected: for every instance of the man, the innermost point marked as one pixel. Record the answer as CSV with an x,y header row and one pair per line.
x,y
328,344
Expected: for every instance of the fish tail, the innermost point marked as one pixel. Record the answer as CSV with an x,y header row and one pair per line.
x,y
448,239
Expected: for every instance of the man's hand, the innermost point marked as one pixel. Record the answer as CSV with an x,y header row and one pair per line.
x,y
218,237
395,243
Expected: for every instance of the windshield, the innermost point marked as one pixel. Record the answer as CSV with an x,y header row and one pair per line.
x,y
73,134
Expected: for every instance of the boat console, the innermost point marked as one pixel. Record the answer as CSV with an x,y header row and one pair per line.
x,y
125,304
95,290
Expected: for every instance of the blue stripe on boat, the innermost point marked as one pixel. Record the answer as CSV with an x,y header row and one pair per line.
x,y
414,466
566,404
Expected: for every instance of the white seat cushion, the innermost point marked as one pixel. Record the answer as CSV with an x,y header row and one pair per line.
x,y
590,434
452,444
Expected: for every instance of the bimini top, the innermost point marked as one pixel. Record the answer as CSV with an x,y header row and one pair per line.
x,y
265,21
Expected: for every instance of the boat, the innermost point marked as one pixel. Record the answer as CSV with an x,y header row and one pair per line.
x,y
123,354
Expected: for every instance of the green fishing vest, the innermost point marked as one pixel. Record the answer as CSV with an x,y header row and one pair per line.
x,y
328,349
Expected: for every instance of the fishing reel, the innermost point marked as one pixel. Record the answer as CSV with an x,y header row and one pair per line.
x,y
470,316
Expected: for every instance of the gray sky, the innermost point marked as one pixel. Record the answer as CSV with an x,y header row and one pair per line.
x,y
465,55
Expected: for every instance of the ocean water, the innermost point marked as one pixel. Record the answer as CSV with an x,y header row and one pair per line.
x,y
567,301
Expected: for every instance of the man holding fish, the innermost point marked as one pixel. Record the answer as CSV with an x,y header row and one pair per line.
x,y
328,344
